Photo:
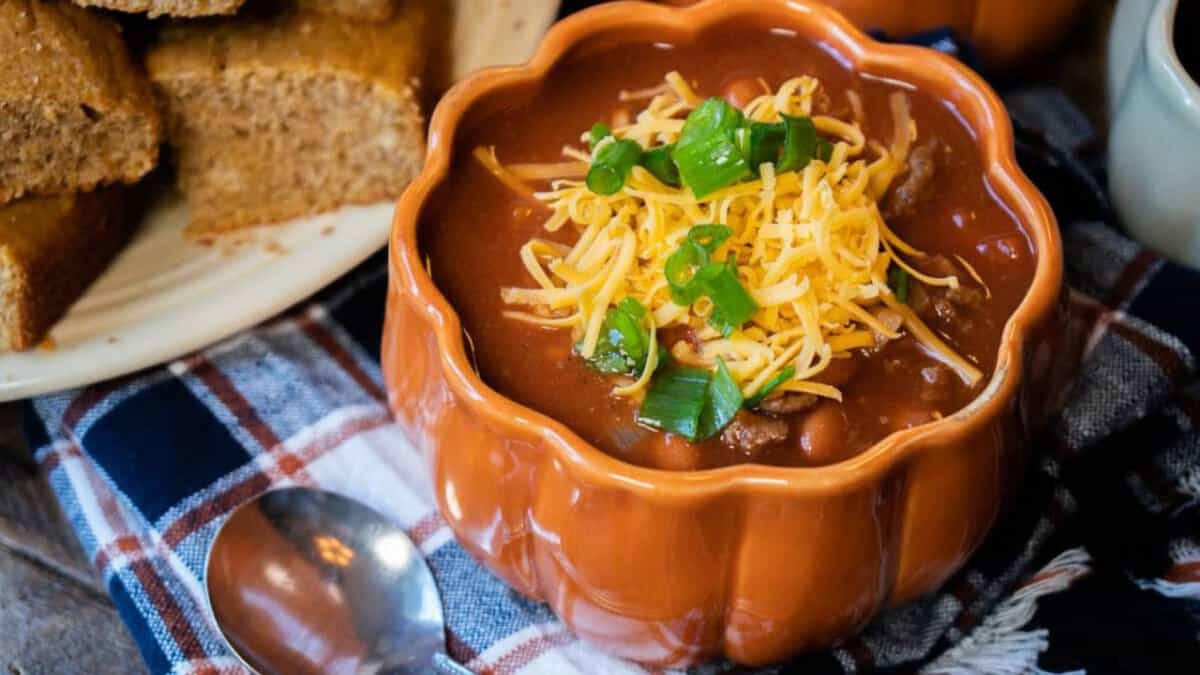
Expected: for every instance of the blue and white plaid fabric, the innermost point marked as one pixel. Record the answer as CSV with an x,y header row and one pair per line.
x,y
1096,568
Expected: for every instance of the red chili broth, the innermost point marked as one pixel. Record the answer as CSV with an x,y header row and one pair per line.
x,y
473,229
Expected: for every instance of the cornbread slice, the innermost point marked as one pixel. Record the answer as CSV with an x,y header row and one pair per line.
x,y
75,109
156,8
363,10
51,249
300,112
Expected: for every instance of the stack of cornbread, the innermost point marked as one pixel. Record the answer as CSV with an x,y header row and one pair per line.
x,y
278,110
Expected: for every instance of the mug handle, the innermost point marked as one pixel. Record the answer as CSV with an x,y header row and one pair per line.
x,y
1126,36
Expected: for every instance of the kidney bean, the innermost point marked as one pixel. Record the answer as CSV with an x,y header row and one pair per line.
x,y
742,91
672,452
823,434
839,372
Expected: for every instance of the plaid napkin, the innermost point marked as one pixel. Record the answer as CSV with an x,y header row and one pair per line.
x,y
1096,568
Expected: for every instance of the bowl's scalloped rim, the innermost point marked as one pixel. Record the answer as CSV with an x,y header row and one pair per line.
x,y
1001,172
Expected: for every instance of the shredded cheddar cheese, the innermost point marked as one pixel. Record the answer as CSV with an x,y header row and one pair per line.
x,y
810,246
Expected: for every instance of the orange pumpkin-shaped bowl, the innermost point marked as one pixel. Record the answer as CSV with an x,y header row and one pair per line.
x,y
753,562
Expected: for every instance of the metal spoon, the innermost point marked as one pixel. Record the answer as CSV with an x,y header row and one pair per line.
x,y
305,581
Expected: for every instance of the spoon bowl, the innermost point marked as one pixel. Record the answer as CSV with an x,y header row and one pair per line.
x,y
305,581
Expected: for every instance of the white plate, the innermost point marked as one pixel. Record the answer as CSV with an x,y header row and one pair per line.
x,y
165,296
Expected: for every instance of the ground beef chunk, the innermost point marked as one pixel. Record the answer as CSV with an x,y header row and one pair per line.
x,y
938,265
964,297
920,300
750,433
916,182
787,403
946,306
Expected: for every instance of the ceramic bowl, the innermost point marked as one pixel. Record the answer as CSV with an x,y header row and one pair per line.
x,y
752,562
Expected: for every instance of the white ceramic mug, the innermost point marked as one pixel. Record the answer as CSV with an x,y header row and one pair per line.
x,y
1154,140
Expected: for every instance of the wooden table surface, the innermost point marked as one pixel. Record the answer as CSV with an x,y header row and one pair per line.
x,y
55,614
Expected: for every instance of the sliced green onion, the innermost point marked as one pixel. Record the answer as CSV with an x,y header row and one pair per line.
x,y
824,150
766,140
741,138
769,386
627,333
624,341
898,282
609,358
709,164
659,163
732,304
710,237
724,400
690,274
664,357
629,319
715,115
681,269
707,153
632,307
611,166
800,143
675,400
599,132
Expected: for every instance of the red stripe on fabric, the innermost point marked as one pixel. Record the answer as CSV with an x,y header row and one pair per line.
x,y
861,653
110,510
1044,574
1131,279
225,391
1086,313
207,667
458,648
321,335
1184,573
217,506
168,609
210,669
964,591
965,621
426,527
328,441
1084,306
88,399
1166,358
50,461
350,428
525,653
259,482
123,546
